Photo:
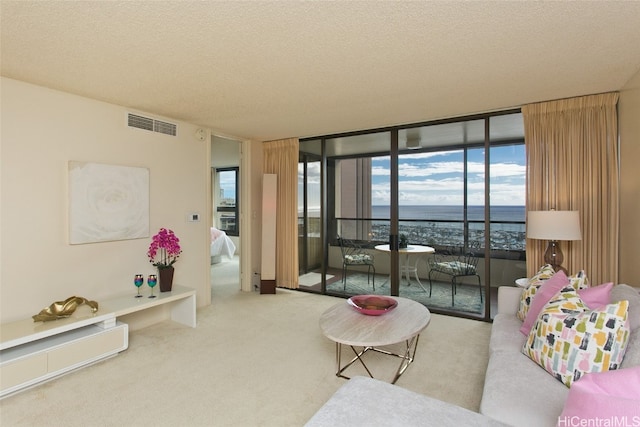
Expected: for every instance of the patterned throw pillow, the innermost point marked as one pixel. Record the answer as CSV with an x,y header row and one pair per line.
x,y
569,340
547,290
545,272
578,281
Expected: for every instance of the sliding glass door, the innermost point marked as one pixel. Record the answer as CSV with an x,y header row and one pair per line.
x,y
451,191
355,214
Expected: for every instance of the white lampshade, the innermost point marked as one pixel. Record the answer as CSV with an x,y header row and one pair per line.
x,y
553,225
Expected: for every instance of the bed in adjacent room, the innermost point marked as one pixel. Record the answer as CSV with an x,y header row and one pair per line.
x,y
221,244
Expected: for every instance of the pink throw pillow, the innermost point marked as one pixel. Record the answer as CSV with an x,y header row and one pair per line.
x,y
547,290
604,396
597,296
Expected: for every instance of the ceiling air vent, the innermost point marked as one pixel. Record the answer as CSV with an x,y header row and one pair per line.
x,y
147,123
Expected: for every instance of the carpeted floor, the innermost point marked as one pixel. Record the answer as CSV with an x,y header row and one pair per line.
x,y
252,360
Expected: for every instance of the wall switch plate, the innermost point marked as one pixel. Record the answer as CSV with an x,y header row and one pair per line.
x,y
193,217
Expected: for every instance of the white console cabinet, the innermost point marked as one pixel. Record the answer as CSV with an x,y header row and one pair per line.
x,y
32,352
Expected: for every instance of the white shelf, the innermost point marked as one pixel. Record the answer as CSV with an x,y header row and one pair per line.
x,y
181,299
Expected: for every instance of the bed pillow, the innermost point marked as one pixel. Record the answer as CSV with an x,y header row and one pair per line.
x,y
545,292
604,395
545,272
596,296
569,340
215,233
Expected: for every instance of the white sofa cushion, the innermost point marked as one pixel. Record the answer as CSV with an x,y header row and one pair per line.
x,y
632,355
518,392
363,401
505,334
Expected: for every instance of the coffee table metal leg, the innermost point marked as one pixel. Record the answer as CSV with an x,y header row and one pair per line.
x,y
407,358
358,356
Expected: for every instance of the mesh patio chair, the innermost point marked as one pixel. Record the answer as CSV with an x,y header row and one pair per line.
x,y
353,255
456,263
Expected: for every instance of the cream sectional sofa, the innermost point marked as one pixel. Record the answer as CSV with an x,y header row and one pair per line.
x,y
363,401
517,391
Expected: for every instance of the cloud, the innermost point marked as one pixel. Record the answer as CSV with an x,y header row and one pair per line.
x,y
437,179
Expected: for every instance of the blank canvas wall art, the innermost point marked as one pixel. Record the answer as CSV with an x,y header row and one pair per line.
x,y
107,202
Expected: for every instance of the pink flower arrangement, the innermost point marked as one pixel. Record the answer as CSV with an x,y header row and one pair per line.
x,y
166,246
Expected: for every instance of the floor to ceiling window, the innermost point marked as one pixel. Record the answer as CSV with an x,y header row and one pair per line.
x,y
453,190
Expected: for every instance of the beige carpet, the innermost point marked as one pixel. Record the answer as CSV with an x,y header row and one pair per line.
x,y
253,360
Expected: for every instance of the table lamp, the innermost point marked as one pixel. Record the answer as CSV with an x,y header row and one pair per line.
x,y
554,226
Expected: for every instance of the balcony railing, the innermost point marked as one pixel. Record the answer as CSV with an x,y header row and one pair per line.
x,y
507,238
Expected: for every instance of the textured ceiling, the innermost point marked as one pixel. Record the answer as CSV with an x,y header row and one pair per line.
x,y
270,70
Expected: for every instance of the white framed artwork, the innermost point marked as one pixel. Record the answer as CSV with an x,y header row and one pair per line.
x,y
107,202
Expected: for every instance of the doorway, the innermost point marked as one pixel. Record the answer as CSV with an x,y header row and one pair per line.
x,y
225,230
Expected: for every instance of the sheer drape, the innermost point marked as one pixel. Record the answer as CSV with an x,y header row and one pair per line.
x,y
572,164
281,158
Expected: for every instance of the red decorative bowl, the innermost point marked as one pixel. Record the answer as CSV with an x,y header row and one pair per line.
x,y
372,305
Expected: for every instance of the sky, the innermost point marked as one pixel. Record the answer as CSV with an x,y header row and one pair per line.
x,y
227,183
437,178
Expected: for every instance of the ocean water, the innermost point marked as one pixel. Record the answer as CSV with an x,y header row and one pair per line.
x,y
454,213
442,225
441,213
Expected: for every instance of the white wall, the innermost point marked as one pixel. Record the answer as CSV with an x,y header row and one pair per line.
x,y
41,131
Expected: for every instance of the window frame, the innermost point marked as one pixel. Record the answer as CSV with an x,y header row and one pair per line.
x,y
235,230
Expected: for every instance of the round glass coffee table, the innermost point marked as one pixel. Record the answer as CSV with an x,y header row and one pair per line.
x,y
345,326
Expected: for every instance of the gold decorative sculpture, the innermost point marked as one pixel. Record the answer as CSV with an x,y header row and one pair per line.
x,y
62,309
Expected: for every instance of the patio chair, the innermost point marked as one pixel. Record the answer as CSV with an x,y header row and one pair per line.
x,y
353,255
456,263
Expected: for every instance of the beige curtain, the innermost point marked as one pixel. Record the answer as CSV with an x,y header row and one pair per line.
x,y
281,158
572,164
